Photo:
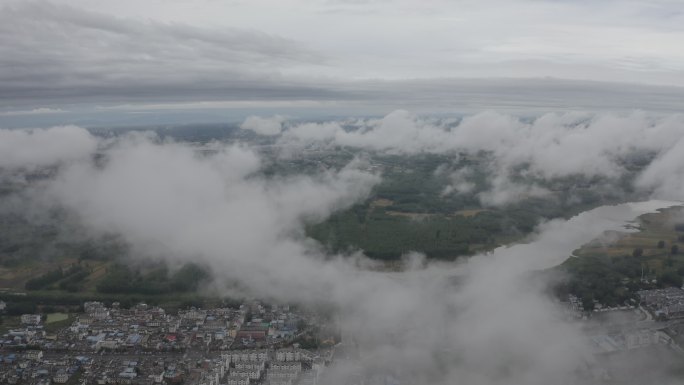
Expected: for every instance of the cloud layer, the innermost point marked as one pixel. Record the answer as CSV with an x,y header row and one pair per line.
x,y
544,148
30,149
52,52
74,55
483,322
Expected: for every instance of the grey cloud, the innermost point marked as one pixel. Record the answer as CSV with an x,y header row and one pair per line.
x,y
54,52
58,55
532,95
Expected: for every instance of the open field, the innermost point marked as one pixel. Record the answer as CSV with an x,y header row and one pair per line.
x,y
469,213
380,202
56,317
613,267
655,239
16,277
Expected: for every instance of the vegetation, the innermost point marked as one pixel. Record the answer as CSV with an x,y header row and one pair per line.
x,y
44,280
122,279
409,211
68,279
612,274
385,235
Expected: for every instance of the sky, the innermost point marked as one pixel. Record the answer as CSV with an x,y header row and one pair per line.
x,y
130,61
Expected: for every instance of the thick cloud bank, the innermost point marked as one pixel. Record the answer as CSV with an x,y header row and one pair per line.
x,y
479,322
555,144
108,57
44,147
551,146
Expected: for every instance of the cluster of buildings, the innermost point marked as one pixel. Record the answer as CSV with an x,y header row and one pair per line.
x,y
573,308
286,366
636,339
144,345
145,328
665,303
33,367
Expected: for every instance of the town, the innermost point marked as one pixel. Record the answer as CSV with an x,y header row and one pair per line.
x,y
144,345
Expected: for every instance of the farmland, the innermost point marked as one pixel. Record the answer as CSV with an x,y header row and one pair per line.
x,y
613,267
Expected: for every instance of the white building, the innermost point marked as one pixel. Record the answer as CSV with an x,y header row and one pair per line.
x,y
287,366
645,338
281,375
30,319
35,355
286,355
252,374
246,356
250,365
236,380
61,377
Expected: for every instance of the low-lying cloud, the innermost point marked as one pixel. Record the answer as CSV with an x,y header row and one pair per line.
x,y
548,147
480,322
29,149
264,126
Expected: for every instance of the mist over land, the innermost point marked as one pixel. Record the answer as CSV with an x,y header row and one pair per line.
x,y
212,203
461,192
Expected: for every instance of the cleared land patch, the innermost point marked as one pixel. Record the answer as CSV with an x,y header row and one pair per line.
x,y
56,317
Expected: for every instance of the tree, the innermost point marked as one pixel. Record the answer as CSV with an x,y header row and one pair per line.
x,y
674,250
661,244
670,278
638,252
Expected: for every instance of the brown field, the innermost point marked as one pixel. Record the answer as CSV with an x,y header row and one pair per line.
x,y
381,203
469,213
15,278
416,216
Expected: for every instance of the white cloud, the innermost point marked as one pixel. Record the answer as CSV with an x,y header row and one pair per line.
x,y
504,191
44,147
35,111
491,327
553,145
666,173
264,126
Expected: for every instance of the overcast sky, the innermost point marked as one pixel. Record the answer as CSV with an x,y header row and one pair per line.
x,y
370,56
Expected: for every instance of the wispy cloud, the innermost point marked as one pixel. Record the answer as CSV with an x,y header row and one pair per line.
x,y
35,111
117,54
